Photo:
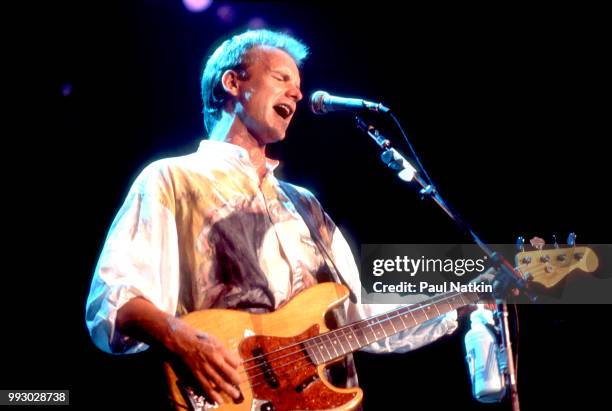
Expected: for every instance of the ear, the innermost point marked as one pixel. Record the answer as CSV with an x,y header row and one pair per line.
x,y
229,80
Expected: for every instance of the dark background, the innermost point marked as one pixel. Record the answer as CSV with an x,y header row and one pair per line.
x,y
505,106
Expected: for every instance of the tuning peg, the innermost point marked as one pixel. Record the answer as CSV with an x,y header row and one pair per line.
x,y
537,243
556,245
520,243
571,239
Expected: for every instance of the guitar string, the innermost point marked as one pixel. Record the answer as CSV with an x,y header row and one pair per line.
x,y
398,312
289,371
285,372
403,310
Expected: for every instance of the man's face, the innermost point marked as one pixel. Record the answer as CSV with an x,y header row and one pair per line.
x,y
267,98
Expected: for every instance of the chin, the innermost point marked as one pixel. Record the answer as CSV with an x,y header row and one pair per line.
x,y
275,136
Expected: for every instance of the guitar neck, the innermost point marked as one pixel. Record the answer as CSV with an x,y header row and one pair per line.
x,y
342,341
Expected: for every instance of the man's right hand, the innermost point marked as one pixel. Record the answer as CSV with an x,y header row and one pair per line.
x,y
213,365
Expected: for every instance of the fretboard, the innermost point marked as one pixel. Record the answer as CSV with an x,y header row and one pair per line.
x,y
337,343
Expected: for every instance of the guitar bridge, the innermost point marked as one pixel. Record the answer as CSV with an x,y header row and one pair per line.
x,y
195,401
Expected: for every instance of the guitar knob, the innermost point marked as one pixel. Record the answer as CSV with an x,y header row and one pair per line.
x,y
526,260
571,239
268,406
545,258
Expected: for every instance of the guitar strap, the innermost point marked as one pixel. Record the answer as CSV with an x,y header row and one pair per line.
x,y
346,374
308,217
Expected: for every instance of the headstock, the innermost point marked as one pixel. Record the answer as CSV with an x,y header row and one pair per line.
x,y
548,266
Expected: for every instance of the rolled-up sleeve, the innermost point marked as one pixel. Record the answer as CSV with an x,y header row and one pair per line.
x,y
404,341
139,259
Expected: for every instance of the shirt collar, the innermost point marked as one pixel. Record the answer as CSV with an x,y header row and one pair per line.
x,y
230,149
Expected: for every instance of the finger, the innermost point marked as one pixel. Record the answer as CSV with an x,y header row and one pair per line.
x,y
221,382
230,371
211,393
231,357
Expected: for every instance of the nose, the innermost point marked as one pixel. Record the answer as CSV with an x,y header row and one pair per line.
x,y
294,93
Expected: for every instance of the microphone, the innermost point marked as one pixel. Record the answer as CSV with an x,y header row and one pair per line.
x,y
322,102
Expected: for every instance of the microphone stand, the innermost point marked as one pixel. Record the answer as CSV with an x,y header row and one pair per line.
x,y
507,277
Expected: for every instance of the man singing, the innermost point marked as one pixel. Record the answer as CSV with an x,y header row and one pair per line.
x,y
216,229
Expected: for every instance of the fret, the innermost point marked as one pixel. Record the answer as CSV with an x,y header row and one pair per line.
x,y
340,337
335,344
387,326
349,338
436,307
311,349
413,318
390,319
421,316
332,345
369,328
449,302
368,332
348,335
356,340
341,340
401,316
424,311
458,300
322,345
398,323
379,335
353,327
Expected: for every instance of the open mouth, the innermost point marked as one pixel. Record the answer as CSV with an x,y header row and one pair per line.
x,y
283,110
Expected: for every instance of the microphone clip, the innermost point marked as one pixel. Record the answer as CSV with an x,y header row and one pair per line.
x,y
390,156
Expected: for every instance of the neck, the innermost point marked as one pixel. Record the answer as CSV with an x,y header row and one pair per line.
x,y
334,344
230,130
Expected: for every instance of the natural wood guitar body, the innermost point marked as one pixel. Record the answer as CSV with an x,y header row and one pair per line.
x,y
278,380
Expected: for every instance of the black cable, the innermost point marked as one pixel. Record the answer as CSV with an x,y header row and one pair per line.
x,y
414,154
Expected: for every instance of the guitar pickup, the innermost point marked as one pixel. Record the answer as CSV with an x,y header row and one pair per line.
x,y
268,372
